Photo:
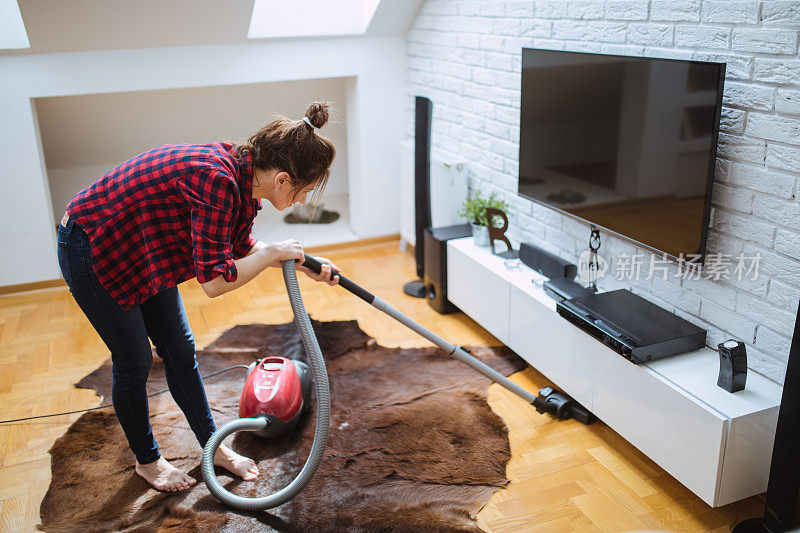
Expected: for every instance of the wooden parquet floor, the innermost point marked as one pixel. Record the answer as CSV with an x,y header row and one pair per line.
x,y
564,476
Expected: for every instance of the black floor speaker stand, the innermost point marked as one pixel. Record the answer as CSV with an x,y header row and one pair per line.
x,y
782,510
422,197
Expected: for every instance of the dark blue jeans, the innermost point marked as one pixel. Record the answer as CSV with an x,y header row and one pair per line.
x,y
162,318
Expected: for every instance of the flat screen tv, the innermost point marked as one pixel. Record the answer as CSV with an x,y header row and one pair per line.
x,y
627,144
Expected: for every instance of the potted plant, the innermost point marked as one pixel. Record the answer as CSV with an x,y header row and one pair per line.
x,y
474,209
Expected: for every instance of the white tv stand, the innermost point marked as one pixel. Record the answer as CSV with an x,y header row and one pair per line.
x,y
719,445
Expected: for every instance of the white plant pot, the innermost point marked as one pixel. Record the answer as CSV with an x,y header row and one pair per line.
x,y
480,235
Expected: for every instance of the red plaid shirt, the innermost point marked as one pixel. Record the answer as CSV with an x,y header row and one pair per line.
x,y
168,215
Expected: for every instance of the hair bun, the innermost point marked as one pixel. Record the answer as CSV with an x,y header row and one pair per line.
x,y
318,114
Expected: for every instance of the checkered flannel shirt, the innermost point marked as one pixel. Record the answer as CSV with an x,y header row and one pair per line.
x,y
168,215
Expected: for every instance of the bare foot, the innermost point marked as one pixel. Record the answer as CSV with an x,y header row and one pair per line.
x,y
164,477
235,463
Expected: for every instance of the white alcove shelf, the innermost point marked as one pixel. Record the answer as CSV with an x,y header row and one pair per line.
x,y
84,136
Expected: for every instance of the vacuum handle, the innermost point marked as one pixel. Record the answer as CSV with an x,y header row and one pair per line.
x,y
316,266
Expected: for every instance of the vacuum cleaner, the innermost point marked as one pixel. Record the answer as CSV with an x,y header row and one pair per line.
x,y
277,392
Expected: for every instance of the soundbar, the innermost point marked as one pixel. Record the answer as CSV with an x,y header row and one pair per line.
x,y
552,266
633,327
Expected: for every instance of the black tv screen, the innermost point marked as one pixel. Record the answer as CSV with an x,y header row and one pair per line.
x,y
627,144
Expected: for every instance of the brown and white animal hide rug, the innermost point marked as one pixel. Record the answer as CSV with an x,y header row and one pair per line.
x,y
413,445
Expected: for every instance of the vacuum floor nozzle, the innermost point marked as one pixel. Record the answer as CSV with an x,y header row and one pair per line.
x,y
561,406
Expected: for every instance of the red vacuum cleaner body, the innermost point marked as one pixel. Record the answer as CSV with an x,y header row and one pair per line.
x,y
277,389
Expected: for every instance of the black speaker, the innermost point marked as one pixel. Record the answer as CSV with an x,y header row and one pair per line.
x,y
436,264
782,508
423,116
548,264
732,365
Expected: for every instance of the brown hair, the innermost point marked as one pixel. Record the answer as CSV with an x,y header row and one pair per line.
x,y
293,146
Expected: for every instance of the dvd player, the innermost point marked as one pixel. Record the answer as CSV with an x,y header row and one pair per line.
x,y
635,328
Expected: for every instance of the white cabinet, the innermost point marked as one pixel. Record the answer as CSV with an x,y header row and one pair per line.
x,y
719,445
551,346
484,293
684,437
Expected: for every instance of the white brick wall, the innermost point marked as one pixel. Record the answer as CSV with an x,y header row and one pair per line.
x,y
466,57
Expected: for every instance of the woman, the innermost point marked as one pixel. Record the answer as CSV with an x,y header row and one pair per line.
x,y
168,215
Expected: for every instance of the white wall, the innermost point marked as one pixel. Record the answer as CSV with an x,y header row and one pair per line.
x,y
66,182
86,136
466,57
374,64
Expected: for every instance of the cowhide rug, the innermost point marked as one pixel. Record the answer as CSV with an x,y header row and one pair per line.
x,y
413,445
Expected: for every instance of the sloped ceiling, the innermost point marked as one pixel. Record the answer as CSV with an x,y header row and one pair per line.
x,y
81,25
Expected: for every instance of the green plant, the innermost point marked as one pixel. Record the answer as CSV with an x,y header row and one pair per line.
x,y
474,207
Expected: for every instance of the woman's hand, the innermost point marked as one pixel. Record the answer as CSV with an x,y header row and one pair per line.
x,y
260,257
283,251
326,273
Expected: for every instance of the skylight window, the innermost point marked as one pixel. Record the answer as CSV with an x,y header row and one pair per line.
x,y
310,18
12,29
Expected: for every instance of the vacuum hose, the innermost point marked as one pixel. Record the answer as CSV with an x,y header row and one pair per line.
x,y
320,376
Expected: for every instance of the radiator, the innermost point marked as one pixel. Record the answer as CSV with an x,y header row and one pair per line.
x,y
448,190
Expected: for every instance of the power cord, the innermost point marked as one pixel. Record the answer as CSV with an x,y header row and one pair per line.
x,y
211,375
594,245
